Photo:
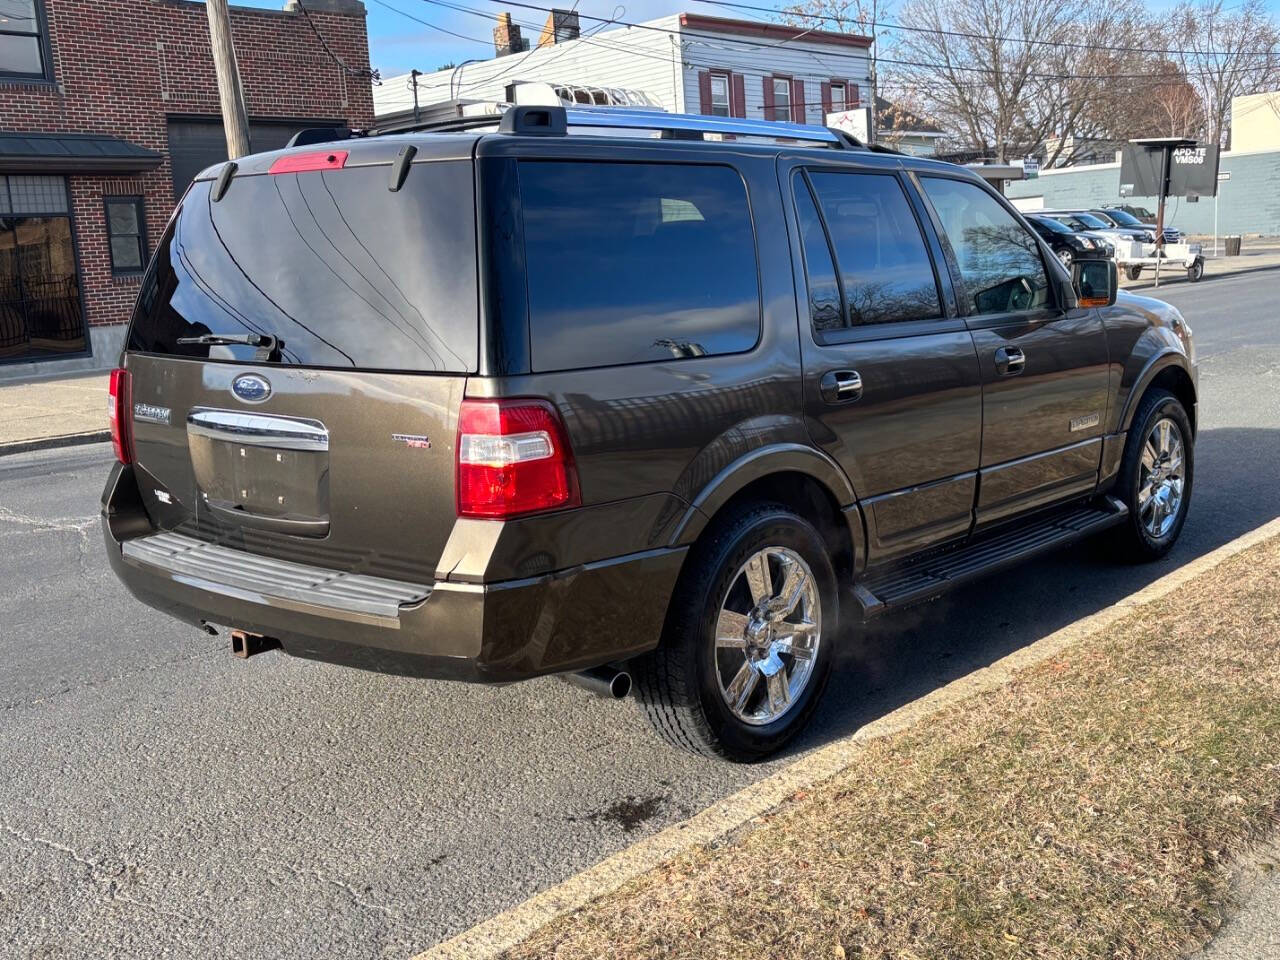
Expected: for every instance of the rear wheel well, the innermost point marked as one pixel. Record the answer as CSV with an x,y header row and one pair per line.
x,y
1178,382
810,499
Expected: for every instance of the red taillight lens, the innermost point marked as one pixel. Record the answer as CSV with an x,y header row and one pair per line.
x,y
118,393
513,458
303,162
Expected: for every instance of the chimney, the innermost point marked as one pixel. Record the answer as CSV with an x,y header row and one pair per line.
x,y
506,36
561,25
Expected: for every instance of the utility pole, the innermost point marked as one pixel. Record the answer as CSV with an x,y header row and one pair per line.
x,y
234,119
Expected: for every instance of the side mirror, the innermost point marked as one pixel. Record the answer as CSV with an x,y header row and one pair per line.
x,y
1095,282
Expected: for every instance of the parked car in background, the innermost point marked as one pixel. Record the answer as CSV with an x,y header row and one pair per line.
x,y
508,401
1085,221
1068,245
1126,216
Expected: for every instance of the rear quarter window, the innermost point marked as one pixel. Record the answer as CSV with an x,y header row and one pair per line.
x,y
632,262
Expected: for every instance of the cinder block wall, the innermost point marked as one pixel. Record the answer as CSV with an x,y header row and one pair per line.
x,y
1248,203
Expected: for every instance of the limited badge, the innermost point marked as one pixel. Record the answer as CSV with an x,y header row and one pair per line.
x,y
1084,423
414,440
150,413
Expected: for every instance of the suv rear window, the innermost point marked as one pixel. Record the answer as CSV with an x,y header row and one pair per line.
x,y
634,262
343,271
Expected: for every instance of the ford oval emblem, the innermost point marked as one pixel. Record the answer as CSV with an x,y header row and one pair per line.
x,y
251,388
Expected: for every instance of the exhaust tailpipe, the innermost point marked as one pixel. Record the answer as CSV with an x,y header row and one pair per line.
x,y
608,682
245,645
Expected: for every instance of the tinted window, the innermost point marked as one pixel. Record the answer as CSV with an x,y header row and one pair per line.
x,y
825,311
632,262
1091,222
1124,219
883,262
1050,225
999,261
343,271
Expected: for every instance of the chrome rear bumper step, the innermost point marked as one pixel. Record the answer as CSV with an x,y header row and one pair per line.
x,y
883,590
280,583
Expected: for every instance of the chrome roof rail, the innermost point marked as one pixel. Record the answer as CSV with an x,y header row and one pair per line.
x,y
622,118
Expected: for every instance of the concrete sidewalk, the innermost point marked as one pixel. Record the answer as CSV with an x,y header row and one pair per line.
x,y
53,413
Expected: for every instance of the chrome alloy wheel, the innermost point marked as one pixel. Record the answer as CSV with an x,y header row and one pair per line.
x,y
1162,478
767,635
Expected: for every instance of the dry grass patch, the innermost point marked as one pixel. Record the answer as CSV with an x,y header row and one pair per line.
x,y
1091,808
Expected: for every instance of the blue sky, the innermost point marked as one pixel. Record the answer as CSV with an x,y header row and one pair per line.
x,y
398,44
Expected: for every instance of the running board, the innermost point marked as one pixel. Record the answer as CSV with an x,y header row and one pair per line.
x,y
885,590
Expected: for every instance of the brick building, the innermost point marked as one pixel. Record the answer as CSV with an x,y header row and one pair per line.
x,y
108,108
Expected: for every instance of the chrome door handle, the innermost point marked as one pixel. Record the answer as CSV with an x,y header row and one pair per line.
x,y
1010,361
840,386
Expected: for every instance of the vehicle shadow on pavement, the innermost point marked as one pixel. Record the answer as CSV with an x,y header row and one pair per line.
x,y
905,656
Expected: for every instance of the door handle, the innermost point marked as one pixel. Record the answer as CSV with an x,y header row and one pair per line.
x,y
840,386
1010,361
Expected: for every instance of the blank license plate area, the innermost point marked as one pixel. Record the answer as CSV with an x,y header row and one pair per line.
x,y
261,467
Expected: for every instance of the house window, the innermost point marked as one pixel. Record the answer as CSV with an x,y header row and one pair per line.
x,y
838,99
23,52
781,99
40,311
720,96
126,232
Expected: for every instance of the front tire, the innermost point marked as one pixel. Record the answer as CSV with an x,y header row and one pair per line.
x,y
1156,475
1066,258
748,644
1196,271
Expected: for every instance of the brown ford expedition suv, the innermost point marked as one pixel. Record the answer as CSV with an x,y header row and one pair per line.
x,y
587,392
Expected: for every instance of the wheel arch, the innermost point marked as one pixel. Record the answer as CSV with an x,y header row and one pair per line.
x,y
1166,372
797,476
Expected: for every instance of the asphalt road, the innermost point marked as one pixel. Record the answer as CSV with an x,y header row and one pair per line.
x,y
161,798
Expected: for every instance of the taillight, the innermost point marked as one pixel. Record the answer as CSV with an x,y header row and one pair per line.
x,y
304,162
513,458
119,392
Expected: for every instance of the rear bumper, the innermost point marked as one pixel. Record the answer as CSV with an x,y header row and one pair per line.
x,y
495,633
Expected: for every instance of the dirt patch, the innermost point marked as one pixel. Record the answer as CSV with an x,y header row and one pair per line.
x,y
1092,807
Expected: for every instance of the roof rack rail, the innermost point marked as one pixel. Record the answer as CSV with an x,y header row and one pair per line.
x,y
532,120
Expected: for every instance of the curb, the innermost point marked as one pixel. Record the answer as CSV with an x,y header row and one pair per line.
x,y
498,934
50,443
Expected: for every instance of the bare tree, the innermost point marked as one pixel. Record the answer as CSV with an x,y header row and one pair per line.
x,y
1225,52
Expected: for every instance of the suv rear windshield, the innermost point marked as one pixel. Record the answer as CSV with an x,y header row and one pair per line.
x,y
341,270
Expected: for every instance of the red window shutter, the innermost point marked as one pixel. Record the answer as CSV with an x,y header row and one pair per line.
x,y
738,101
704,92
798,104
826,100
851,93
768,98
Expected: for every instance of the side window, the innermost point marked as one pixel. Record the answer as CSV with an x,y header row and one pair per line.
x,y
999,261
825,311
634,262
883,263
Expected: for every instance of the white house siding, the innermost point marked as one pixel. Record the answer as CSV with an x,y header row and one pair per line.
x,y
643,60
663,63
812,63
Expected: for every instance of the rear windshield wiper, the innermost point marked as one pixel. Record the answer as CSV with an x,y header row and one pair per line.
x,y
269,346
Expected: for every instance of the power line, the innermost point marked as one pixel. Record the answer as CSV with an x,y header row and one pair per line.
x,y
428,23
1028,75
937,31
363,74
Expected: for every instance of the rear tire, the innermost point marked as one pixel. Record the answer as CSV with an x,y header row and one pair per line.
x,y
1156,475
1133,273
736,675
1066,258
1196,271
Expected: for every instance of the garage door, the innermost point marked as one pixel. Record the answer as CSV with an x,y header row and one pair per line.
x,y
196,144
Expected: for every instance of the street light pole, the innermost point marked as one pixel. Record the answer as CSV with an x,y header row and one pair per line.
x,y
230,94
